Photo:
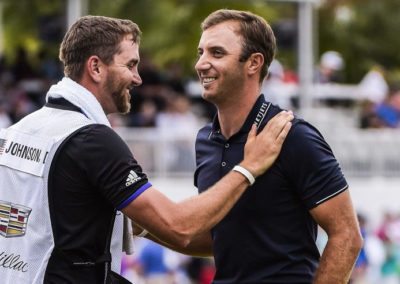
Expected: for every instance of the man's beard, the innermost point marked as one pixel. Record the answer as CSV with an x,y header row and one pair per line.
x,y
122,101
119,94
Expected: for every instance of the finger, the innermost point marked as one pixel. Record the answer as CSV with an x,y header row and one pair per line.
x,y
278,122
281,118
253,133
284,133
286,117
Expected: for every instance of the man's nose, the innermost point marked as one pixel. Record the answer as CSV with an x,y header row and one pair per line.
x,y
137,80
202,63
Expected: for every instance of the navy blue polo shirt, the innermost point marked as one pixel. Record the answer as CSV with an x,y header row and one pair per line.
x,y
269,235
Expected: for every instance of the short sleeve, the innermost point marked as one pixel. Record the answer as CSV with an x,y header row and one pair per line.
x,y
107,165
311,165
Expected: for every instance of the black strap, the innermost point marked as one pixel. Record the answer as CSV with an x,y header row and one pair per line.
x,y
61,103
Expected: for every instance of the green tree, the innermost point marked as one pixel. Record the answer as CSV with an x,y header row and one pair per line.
x,y
365,32
171,28
22,22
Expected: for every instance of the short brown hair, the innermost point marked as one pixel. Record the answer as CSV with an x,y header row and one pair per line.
x,y
94,35
256,32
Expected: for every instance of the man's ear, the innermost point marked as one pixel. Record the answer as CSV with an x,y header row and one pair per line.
x,y
255,63
95,68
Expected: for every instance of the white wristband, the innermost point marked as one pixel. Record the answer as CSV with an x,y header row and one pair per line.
x,y
142,233
246,173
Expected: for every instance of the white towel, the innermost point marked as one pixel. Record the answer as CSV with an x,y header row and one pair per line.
x,y
80,97
87,102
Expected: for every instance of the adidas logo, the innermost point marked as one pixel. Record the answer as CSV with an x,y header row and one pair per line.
x,y
132,178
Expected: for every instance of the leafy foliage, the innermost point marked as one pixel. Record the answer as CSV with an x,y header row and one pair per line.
x,y
364,31
368,37
171,29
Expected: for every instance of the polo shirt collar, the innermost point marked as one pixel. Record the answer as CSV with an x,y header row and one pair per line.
x,y
256,116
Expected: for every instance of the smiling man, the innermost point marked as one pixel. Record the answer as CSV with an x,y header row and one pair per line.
x,y
269,235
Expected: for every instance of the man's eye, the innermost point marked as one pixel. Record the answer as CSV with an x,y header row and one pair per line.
x,y
218,53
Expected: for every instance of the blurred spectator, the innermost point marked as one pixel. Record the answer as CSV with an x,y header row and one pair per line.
x,y
201,270
382,231
361,265
389,233
174,77
176,263
329,71
152,265
330,65
290,76
367,269
178,121
388,112
50,68
207,272
148,98
17,102
275,89
368,116
376,255
373,85
22,68
145,116
177,115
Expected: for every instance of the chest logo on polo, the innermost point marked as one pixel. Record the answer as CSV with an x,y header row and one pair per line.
x,y
132,178
13,219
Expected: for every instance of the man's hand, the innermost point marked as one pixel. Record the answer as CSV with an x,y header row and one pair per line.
x,y
261,150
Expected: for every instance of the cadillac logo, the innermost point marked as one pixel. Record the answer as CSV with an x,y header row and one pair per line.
x,y
13,219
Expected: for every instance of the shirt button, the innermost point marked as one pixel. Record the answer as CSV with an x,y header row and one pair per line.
x,y
223,164
227,145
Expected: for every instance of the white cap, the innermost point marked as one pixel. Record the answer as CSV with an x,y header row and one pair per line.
x,y
332,60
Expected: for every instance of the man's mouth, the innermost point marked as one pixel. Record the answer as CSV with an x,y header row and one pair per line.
x,y
208,80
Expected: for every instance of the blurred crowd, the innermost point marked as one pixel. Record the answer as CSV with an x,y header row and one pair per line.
x,y
376,102
23,84
379,259
161,101
155,264
168,98
378,262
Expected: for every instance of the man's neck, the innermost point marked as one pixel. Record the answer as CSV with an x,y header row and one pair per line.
x,y
232,116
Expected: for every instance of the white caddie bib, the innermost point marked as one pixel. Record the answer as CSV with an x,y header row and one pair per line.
x,y
26,153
